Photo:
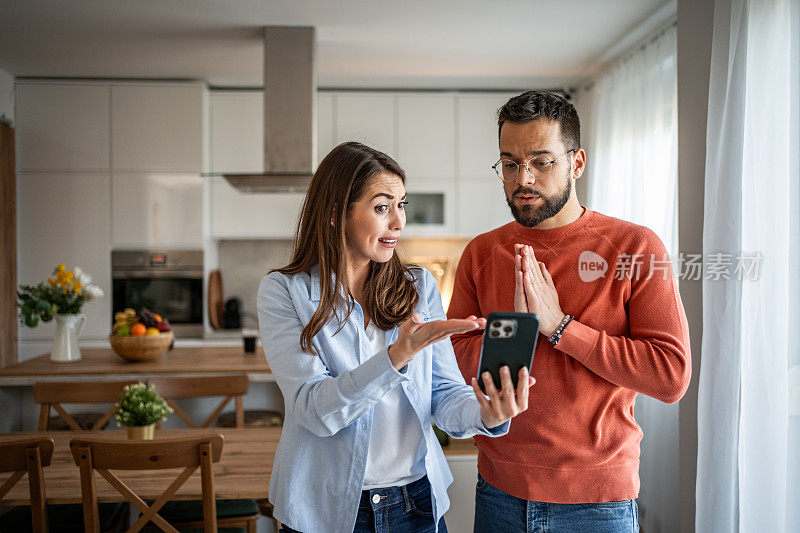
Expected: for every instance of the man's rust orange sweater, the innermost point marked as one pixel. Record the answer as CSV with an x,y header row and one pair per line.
x,y
578,441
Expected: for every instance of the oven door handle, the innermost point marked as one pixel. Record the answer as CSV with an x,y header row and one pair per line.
x,y
161,274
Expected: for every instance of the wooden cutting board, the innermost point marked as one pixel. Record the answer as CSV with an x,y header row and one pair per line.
x,y
215,302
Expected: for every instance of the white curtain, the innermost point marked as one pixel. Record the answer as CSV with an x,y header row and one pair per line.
x,y
633,175
634,160
748,466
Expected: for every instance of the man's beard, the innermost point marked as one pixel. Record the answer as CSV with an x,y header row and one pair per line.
x,y
530,215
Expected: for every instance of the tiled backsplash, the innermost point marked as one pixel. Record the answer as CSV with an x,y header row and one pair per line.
x,y
244,262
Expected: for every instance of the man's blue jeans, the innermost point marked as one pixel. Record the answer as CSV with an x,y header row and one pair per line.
x,y
496,511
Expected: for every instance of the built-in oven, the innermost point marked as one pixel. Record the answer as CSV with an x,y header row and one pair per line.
x,y
167,282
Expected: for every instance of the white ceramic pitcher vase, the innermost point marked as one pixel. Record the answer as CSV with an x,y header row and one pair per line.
x,y
65,345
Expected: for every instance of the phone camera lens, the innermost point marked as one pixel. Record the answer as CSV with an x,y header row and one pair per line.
x,y
496,324
495,333
508,329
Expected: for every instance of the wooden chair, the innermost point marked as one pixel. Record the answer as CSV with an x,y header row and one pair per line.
x,y
28,456
234,513
231,387
189,453
54,394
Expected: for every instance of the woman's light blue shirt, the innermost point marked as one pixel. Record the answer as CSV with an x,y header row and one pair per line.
x,y
319,466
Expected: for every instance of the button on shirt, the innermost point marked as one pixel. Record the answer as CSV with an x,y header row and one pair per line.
x,y
321,461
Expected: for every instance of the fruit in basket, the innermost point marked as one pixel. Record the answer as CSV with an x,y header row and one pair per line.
x,y
147,318
138,323
124,318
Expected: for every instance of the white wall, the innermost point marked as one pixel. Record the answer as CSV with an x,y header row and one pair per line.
x,y
695,28
6,96
583,100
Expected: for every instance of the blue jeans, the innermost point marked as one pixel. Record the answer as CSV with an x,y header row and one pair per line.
x,y
496,510
398,509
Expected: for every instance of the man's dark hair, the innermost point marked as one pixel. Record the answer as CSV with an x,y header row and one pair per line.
x,y
534,105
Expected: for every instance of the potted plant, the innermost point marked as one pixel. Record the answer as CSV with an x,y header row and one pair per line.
x,y
61,297
139,409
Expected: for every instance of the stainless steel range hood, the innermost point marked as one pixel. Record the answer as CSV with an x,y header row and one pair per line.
x,y
290,118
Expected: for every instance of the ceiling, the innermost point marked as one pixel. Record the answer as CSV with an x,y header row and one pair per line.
x,y
476,44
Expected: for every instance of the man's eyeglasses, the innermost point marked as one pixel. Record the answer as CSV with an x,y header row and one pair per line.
x,y
537,166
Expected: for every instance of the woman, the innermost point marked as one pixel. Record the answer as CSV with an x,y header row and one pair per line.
x,y
359,346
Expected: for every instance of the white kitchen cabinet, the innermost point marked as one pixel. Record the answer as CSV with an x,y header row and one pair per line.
x,y
477,134
238,215
426,136
157,127
326,137
237,131
66,219
157,210
62,127
367,118
481,206
460,518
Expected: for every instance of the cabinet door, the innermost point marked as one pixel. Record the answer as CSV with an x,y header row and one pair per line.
x,y
326,138
62,127
157,127
157,209
477,134
367,118
481,206
237,131
65,218
426,136
237,215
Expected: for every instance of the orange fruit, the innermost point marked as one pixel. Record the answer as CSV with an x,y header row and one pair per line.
x,y
157,317
138,329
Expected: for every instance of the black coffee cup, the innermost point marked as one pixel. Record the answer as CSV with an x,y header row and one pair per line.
x,y
249,340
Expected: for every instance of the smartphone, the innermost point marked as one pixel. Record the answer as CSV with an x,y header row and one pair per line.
x,y
508,340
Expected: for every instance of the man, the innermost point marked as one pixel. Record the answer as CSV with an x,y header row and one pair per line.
x,y
611,325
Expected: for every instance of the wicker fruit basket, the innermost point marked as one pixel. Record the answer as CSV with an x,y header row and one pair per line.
x,y
142,347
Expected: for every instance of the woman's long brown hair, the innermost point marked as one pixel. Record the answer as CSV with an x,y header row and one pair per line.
x,y
340,180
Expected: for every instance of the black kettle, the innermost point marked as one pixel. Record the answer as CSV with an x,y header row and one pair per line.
x,y
232,319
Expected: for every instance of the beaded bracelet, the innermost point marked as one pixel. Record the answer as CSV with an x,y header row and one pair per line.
x,y
559,331
558,328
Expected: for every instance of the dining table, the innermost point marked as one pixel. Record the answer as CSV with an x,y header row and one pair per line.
x,y
103,364
242,472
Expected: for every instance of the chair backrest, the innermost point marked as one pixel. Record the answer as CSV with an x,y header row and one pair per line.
x,y
28,455
106,455
54,394
231,387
